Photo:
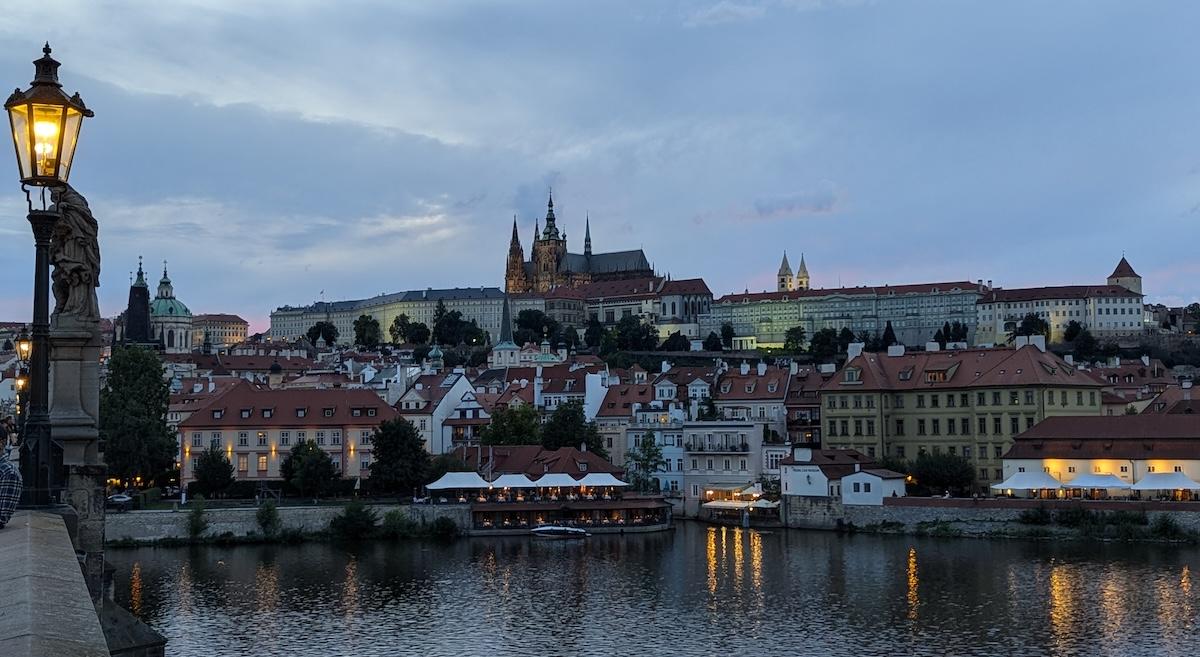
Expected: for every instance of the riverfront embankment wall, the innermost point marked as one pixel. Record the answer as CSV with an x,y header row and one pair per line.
x,y
150,526
961,516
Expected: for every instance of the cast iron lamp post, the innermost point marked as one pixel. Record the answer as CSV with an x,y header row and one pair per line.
x,y
45,124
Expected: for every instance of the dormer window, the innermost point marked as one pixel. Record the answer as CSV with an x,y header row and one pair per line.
x,y
906,374
852,375
725,387
246,413
267,412
935,376
357,412
772,386
328,412
581,465
217,414
370,412
301,412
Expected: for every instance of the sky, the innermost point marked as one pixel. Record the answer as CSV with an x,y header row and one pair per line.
x,y
270,151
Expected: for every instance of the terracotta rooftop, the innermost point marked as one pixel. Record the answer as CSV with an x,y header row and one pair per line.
x,y
872,290
956,368
1117,437
1123,270
266,408
1055,292
534,460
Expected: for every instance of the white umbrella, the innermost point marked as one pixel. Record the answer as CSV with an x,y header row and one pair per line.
x,y
1166,481
1028,481
513,481
600,479
459,481
556,480
1095,480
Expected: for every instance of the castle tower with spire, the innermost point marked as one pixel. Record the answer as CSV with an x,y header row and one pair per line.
x,y
1126,277
134,324
802,282
505,353
786,282
550,265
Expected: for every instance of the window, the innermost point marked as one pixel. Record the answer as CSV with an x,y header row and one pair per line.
x,y
262,463
1028,423
1079,398
262,438
285,438
370,412
995,398
679,464
899,451
1148,469
920,401
1092,398
301,412
1014,425
951,427
1124,468
997,427
320,437
695,490
980,399
899,427
364,464
920,426
933,401
742,465
709,464
268,412
196,438
858,425
831,402
1178,468
857,487
858,402
950,401
983,426
983,473
301,436
1020,469
336,436
726,465
964,400
870,427
422,424
1070,469
328,412
999,473
1013,398
1028,396
866,486
694,465
845,427
997,451
356,412
966,451
243,463
245,413
937,426
364,437
243,439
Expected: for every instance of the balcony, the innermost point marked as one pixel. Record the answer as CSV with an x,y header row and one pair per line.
x,y
718,448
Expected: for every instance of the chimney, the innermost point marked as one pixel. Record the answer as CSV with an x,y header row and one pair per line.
x,y
1038,341
989,284
665,366
793,368
762,368
895,350
1146,360
854,349
745,368
1070,359
1021,341
1187,389
857,467
932,346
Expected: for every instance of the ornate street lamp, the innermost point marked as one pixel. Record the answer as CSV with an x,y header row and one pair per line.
x,y
45,124
24,345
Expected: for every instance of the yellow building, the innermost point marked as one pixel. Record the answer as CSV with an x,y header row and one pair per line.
x,y
968,402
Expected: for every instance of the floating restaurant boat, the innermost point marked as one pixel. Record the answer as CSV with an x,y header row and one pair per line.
x,y
558,532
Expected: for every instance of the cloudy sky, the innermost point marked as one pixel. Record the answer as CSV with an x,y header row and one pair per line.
x,y
270,151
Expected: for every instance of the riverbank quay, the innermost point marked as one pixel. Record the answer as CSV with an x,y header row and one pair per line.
x,y
1000,518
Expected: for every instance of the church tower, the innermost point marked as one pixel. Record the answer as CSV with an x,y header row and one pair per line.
x,y
802,275
514,272
549,252
786,282
1126,277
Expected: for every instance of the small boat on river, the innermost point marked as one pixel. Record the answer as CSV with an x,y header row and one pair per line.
x,y
558,532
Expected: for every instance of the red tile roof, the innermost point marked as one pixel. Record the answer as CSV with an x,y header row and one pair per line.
x,y
217,317
619,400
735,386
533,460
1123,270
1055,292
877,290
283,405
958,368
686,286
1118,437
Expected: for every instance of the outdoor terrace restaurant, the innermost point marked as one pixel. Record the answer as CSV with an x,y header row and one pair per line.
x,y
515,503
1138,457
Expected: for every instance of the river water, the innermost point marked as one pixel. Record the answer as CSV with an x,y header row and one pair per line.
x,y
696,590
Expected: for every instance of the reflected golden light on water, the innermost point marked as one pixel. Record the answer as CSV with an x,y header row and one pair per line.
x,y
135,589
1113,597
914,598
739,559
756,561
1062,604
350,589
184,591
266,591
710,553
1185,580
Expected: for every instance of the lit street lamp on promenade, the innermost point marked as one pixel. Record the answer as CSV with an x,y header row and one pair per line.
x,y
45,125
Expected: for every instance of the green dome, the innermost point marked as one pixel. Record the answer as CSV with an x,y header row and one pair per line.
x,y
168,307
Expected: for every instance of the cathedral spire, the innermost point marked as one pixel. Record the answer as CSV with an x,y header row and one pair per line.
x,y
536,230
550,232
587,235
515,239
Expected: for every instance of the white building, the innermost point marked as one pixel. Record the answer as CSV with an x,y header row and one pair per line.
x,y
844,474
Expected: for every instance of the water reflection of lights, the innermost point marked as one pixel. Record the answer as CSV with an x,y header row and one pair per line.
x,y
739,559
1185,580
914,582
1062,604
135,589
756,561
711,560
350,589
266,587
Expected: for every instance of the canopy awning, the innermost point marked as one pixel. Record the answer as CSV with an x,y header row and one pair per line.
x,y
1028,481
513,481
1095,480
1166,481
729,488
764,504
726,504
459,481
600,479
556,480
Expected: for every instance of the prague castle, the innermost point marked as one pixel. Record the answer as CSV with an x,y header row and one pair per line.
x,y
550,265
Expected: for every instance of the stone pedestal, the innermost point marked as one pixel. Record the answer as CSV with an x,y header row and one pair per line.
x,y
74,419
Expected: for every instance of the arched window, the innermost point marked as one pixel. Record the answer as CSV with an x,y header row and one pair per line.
x,y
171,338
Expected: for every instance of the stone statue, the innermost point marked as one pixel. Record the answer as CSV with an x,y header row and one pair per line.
x,y
75,254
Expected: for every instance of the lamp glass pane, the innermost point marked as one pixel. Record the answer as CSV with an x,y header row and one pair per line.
x,y
70,138
18,118
48,125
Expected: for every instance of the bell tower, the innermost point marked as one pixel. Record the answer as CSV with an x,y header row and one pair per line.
x,y
514,271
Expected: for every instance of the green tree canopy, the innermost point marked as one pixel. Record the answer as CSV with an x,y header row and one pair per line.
x,y
308,469
942,472
366,332
793,339
399,462
133,416
727,335
570,336
1030,324
1085,346
958,332
645,459
844,338
1072,331
443,463
399,329
213,473
676,342
323,329
515,425
889,335
713,342
632,334
418,333
593,333
567,427
534,325
824,344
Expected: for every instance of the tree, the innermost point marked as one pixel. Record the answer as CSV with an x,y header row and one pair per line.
x,y
676,342
793,339
439,312
940,338
713,342
943,472
418,333
308,469
844,338
824,344
399,329
608,342
570,337
515,425
889,335
1085,346
366,332
1072,331
443,463
947,336
534,326
1193,309
632,334
707,410
133,416
958,332
727,335
323,329
213,473
1030,324
646,458
593,333
567,427
399,462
